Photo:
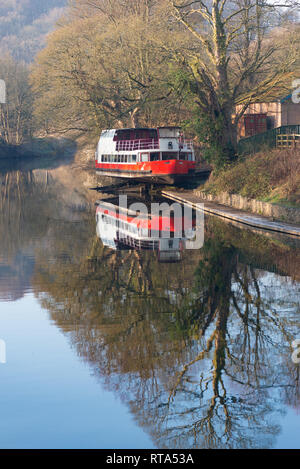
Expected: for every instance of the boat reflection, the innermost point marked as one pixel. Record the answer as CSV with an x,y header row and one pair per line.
x,y
120,228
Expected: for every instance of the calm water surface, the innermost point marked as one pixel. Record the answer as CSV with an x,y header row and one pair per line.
x,y
113,348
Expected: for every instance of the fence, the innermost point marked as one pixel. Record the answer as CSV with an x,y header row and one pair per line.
x,y
288,140
265,139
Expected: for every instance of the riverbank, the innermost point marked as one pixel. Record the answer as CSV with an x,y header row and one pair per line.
x,y
38,147
66,164
272,176
192,199
272,211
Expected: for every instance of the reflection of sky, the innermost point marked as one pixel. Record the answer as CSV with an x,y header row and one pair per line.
x,y
48,398
289,437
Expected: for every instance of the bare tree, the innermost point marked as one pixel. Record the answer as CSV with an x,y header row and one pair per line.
x,y
232,60
15,114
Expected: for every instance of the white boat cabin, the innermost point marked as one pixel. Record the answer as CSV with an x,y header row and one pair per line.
x,y
143,144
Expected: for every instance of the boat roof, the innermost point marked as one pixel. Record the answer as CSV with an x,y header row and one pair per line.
x,y
169,127
144,128
130,128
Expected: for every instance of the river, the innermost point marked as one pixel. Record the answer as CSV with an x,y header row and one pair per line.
x,y
106,346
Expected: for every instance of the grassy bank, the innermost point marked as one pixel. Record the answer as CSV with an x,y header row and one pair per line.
x,y
272,176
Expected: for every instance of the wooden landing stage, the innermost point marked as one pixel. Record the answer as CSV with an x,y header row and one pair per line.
x,y
239,216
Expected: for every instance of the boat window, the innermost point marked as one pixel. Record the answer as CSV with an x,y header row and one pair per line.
x,y
145,134
133,158
154,156
123,134
144,156
185,156
169,155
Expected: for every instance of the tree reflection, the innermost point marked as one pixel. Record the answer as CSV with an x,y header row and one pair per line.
x,y
235,384
200,352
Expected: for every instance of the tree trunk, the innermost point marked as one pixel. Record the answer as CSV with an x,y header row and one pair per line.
x,y
134,117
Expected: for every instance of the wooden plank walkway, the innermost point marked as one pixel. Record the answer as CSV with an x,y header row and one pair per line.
x,y
257,221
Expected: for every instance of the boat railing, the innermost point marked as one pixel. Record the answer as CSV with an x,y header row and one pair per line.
x,y
186,143
149,244
141,144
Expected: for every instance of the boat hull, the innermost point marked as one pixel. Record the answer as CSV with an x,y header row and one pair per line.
x,y
160,172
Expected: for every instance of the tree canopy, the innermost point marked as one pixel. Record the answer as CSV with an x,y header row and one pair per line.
x,y
114,63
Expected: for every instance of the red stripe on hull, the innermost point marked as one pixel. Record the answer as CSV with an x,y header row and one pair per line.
x,y
156,168
167,223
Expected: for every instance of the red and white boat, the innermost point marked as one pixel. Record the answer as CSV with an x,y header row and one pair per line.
x,y
159,155
120,228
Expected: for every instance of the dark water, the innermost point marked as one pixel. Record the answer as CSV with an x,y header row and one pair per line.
x,y
113,348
